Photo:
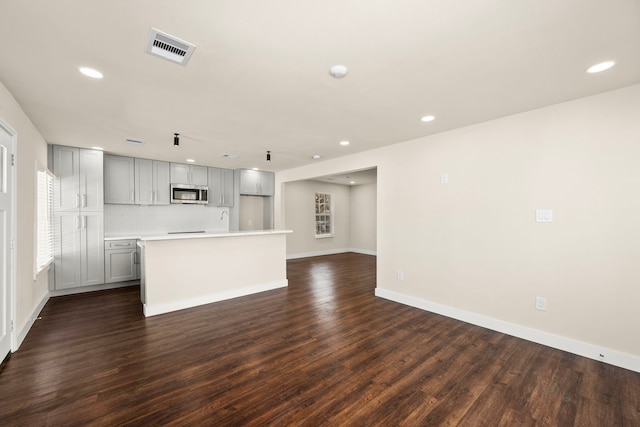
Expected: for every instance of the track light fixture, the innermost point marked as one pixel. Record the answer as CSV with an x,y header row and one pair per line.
x,y
268,156
176,140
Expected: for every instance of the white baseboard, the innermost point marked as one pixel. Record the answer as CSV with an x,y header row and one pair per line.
x,y
330,252
208,299
27,327
81,290
363,251
612,357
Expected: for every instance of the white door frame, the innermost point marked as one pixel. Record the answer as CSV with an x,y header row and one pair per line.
x,y
12,252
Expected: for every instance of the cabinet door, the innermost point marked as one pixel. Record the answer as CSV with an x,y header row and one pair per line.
x,y
198,175
66,167
215,187
92,248
143,181
67,250
227,187
119,178
91,180
249,182
161,183
179,173
267,183
120,265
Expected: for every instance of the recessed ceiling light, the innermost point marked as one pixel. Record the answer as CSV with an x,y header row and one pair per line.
x,y
191,161
600,67
97,148
315,156
352,182
255,169
344,142
338,71
230,156
90,72
427,118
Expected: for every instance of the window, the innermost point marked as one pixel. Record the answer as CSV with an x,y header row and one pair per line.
x,y
44,220
324,215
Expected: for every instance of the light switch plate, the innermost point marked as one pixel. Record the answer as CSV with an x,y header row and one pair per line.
x,y
544,215
444,178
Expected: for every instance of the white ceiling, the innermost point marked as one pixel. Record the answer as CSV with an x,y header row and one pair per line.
x,y
259,77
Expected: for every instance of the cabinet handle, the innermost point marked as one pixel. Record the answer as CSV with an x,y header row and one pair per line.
x,y
153,196
120,244
135,258
132,196
77,200
84,222
84,200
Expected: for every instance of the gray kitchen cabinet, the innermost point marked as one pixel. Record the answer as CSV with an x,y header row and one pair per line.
x,y
119,180
152,182
257,183
78,217
120,261
79,179
78,249
220,187
188,174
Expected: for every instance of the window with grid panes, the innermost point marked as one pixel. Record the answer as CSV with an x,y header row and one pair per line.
x,y
324,215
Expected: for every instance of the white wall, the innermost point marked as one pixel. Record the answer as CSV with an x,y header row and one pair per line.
x,y
472,249
31,150
300,217
363,218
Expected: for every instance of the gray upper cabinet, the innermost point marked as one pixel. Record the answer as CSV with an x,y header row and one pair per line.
x,y
220,187
79,179
257,183
119,179
151,182
188,174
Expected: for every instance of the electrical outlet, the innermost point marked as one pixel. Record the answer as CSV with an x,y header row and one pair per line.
x,y
400,275
541,303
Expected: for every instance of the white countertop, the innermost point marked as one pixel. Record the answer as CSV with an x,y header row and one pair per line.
x,y
205,235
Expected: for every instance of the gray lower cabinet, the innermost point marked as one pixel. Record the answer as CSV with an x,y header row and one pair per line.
x,y
120,261
78,249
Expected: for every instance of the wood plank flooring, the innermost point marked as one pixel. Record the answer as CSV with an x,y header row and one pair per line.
x,y
322,352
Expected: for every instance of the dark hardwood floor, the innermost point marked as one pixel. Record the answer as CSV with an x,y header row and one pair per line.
x,y
322,352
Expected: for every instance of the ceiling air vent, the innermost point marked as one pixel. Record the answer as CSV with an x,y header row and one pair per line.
x,y
169,47
134,141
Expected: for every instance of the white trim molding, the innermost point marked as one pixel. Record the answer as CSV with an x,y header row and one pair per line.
x,y
32,319
331,252
590,351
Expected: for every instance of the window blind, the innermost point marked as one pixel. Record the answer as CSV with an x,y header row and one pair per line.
x,y
44,220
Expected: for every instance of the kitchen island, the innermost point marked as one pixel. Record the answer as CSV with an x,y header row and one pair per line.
x,y
186,270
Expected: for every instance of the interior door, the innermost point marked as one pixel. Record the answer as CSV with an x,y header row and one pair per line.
x,y
5,241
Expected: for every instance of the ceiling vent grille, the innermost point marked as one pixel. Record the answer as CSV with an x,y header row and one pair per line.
x,y
134,141
169,47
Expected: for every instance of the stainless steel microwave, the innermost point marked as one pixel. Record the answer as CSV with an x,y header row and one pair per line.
x,y
190,194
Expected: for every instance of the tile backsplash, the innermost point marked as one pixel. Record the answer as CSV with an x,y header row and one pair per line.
x,y
135,219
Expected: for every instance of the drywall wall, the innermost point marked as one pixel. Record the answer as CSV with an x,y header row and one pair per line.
x,y
300,217
31,151
362,224
473,247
